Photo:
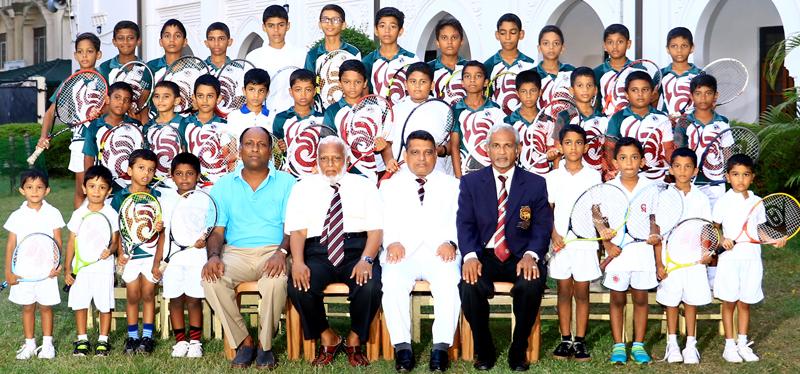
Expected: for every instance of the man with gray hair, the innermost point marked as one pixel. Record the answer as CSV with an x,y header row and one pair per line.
x,y
334,220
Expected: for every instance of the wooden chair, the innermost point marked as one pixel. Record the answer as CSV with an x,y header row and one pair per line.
x,y
121,294
167,324
662,317
244,291
335,293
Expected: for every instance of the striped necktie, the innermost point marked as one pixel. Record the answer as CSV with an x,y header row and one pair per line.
x,y
332,233
421,190
499,237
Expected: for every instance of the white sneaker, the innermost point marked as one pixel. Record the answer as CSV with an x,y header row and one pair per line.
x,y
195,350
673,353
691,355
25,352
46,351
731,354
180,348
746,352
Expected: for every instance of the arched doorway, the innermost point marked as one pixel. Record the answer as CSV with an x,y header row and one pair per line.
x,y
429,42
250,43
583,33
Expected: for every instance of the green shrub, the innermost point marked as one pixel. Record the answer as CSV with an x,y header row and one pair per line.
x,y
14,151
777,162
357,38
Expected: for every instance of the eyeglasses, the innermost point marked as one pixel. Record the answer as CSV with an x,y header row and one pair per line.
x,y
333,21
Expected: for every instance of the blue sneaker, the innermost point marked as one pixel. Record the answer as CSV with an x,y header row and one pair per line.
x,y
618,354
639,355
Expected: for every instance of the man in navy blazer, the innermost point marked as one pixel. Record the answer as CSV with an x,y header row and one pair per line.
x,y
504,225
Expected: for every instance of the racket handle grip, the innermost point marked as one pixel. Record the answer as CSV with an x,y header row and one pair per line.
x,y
161,267
32,158
67,286
3,286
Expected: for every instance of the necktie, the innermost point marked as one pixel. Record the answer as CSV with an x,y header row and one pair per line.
x,y
499,237
421,190
332,234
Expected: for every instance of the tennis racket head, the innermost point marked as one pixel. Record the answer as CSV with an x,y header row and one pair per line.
x,y
115,147
690,241
450,86
651,135
542,134
231,82
93,237
503,88
138,215
139,76
164,140
600,206
81,97
35,257
217,149
370,118
389,77
776,216
302,151
595,138
193,218
732,78
470,163
434,116
727,143
279,97
655,209
556,89
619,97
475,128
184,72
330,91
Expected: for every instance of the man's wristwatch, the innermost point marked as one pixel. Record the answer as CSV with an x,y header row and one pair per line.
x,y
455,246
283,250
368,259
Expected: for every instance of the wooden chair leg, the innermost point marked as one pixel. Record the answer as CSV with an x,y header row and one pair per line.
x,y
374,343
230,352
466,340
206,320
309,348
453,351
386,342
293,332
534,339
164,317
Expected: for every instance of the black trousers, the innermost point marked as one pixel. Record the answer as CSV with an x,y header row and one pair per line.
x,y
526,294
364,300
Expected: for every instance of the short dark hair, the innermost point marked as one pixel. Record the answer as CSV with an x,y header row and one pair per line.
x,y
638,75
353,65
207,80
334,8
302,75
98,171
627,141
420,135
91,38
703,80
173,22
529,76
616,28
390,12
571,128
583,71
420,67
476,63
551,28
257,76
32,175
509,17
185,158
452,22
170,85
269,136
680,32
120,85
218,26
274,11
740,159
684,152
142,154
129,25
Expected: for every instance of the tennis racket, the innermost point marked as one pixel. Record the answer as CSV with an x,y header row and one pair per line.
x,y
165,142
140,77
302,148
726,144
370,118
389,77
184,72
231,83
618,99
475,128
602,206
116,145
689,242
79,100
654,210
280,97
556,88
503,90
449,86
329,89
193,218
542,134
34,258
92,240
139,215
774,217
595,138
217,149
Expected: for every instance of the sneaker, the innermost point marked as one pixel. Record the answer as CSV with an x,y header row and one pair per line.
x,y
82,348
581,352
731,354
691,355
180,349
102,349
46,351
147,346
746,352
563,351
639,355
673,353
25,352
618,354
195,350
131,344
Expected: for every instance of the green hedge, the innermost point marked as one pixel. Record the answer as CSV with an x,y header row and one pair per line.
x,y
357,38
776,163
15,151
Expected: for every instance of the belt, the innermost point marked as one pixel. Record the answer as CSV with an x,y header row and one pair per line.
x,y
316,240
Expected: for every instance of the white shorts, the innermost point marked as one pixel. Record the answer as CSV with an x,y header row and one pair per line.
x,y
580,264
688,285
134,267
43,292
739,280
76,156
88,286
623,280
179,279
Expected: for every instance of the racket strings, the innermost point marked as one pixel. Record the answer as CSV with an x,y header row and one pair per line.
x,y
601,206
781,218
231,80
193,218
732,77
368,121
138,217
654,210
118,144
140,78
434,116
690,241
184,72
165,142
301,154
35,257
81,98
94,236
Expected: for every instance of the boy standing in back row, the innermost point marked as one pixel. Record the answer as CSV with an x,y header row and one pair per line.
x,y
509,59
277,53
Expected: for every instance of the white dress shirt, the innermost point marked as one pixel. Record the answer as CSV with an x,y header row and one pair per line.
x,y
273,59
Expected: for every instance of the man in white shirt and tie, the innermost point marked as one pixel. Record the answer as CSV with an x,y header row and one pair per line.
x,y
334,222
419,235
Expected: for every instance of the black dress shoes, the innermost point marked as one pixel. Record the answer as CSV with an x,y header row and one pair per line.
x,y
440,361
404,360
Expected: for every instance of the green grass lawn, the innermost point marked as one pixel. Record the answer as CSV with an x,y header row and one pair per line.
x,y
774,328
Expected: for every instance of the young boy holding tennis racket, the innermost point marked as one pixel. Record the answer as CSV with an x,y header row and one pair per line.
x,y
507,62
575,264
126,38
218,39
689,284
288,123
253,112
555,74
332,21
386,64
181,279
140,285
276,53
35,215
447,67
677,75
205,98
94,281
616,42
353,79
583,88
173,40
